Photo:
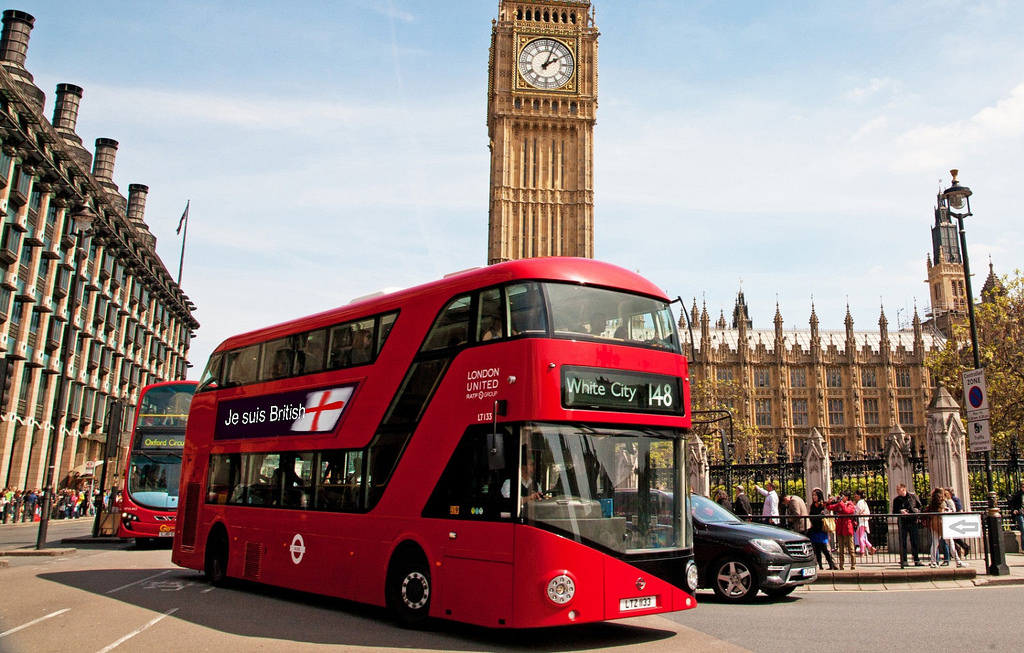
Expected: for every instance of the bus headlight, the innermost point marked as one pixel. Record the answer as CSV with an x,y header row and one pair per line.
x,y
561,589
691,575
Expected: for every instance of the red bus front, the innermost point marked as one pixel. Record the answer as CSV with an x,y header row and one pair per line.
x,y
149,498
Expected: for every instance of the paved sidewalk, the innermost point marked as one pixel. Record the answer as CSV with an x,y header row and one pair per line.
x,y
888,575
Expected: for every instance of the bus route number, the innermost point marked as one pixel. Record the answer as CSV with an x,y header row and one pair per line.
x,y
660,394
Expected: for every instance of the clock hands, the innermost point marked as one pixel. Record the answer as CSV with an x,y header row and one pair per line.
x,y
551,57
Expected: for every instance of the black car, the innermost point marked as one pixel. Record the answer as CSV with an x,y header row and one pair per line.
x,y
738,558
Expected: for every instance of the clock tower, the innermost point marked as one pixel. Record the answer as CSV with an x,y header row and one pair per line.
x,y
541,106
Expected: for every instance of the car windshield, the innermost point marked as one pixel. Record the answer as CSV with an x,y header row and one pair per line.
x,y
707,511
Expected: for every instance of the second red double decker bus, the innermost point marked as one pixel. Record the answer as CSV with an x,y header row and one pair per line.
x,y
149,499
503,447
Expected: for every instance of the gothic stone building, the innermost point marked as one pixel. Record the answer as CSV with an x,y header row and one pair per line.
x,y
131,324
854,387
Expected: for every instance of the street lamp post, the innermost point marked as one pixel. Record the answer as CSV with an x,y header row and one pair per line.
x,y
957,199
81,223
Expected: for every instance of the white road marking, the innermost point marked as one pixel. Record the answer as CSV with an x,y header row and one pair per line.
x,y
118,589
33,622
137,631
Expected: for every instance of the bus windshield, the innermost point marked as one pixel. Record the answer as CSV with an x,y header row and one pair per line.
x,y
164,407
153,479
616,487
611,315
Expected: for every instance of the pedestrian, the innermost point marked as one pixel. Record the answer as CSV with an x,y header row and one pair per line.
x,y
908,506
817,533
844,509
1017,510
722,499
796,511
863,513
741,506
962,545
936,507
29,511
771,502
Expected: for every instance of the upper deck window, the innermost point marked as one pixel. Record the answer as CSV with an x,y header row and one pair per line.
x,y
597,313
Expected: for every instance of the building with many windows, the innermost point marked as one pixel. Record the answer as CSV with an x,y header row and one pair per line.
x,y
101,295
854,387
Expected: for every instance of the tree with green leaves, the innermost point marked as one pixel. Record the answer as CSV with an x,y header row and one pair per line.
x,y
1000,323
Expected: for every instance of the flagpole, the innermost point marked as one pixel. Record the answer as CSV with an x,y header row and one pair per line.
x,y
184,237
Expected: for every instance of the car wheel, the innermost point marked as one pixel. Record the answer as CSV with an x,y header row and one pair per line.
x,y
735,580
779,592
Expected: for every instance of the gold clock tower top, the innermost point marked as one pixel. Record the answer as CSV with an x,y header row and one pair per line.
x,y
541,105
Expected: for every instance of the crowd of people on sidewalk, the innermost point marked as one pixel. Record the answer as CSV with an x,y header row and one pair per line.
x,y
17,505
841,524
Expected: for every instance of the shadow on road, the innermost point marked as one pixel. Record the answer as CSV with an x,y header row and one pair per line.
x,y
252,610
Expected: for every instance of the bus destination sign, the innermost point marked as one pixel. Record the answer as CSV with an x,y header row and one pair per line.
x,y
595,388
298,412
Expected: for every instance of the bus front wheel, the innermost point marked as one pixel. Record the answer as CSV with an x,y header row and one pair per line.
x,y
216,561
408,589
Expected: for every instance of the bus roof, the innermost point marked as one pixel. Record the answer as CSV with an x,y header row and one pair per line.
x,y
583,271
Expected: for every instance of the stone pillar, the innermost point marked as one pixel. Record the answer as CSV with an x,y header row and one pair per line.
x,y
946,442
899,466
817,466
698,468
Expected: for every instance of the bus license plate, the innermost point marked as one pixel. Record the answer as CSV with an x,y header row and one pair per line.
x,y
165,534
638,603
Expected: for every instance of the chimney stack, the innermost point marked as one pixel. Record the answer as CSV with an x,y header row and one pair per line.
x,y
103,169
65,117
17,26
136,210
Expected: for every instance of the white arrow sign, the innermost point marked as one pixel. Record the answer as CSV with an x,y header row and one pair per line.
x,y
960,525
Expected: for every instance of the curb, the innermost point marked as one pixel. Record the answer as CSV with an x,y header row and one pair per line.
x,y
15,553
885,576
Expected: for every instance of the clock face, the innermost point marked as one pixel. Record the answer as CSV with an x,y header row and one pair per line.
x,y
546,63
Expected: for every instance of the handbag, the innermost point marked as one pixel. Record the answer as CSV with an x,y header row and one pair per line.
x,y
828,524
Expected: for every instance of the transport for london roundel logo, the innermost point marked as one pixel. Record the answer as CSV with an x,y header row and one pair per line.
x,y
298,548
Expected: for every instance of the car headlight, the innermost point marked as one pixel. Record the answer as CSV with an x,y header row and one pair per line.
x,y
767,546
691,576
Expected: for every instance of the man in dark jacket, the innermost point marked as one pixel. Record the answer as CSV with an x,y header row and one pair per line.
x,y
741,506
1017,508
907,505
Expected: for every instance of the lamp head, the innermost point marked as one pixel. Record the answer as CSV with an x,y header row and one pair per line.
x,y
956,195
83,219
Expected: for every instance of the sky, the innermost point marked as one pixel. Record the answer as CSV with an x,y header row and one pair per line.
x,y
329,149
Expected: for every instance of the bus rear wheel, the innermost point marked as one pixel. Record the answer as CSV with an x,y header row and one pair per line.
x,y
408,589
216,561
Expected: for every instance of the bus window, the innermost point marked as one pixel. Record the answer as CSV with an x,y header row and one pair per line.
x,y
362,343
526,308
471,487
340,481
277,359
309,352
242,365
211,375
223,477
491,316
451,328
386,322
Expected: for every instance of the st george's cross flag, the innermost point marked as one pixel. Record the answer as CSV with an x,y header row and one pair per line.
x,y
322,410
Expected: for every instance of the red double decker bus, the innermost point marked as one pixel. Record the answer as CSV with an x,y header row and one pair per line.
x,y
149,499
487,448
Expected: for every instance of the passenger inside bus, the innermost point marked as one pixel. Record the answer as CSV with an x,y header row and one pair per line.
x,y
362,347
286,484
492,329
